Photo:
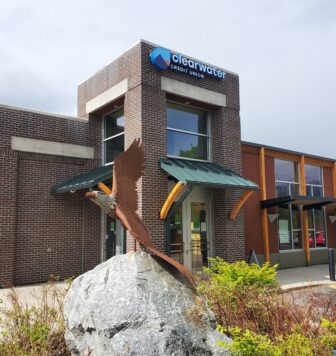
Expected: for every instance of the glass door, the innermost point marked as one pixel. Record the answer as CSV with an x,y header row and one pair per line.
x,y
176,236
190,232
115,239
199,242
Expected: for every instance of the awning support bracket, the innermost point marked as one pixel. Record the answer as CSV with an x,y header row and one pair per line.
x,y
170,199
172,211
235,210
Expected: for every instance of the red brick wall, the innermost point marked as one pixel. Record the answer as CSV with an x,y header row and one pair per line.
x,y
229,237
8,182
43,234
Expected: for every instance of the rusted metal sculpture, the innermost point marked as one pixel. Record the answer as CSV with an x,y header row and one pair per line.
x,y
122,201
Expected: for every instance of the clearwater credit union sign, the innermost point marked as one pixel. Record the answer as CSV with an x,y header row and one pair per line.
x,y
163,58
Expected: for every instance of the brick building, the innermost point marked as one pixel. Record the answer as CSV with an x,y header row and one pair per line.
x,y
186,113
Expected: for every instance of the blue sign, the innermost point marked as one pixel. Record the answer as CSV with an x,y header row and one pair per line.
x,y
160,58
163,58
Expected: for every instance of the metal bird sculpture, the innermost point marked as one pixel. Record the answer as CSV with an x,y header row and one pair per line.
x,y
122,201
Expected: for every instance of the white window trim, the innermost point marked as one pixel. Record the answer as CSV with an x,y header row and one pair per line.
x,y
114,136
104,140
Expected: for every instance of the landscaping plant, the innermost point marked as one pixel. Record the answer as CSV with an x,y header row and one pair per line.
x,y
34,330
262,319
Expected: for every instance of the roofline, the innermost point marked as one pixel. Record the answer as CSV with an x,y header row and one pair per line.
x,y
287,151
193,58
154,45
22,109
107,64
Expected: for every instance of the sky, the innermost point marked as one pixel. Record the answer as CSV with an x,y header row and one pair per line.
x,y
284,52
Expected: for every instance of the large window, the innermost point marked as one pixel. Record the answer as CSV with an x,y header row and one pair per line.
x,y
187,132
286,177
289,218
114,136
316,217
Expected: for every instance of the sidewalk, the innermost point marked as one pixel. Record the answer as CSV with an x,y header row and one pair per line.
x,y
304,277
28,295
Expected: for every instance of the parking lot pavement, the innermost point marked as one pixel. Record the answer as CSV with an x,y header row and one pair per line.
x,y
304,276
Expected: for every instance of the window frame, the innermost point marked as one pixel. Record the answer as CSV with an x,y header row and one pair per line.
x,y
208,128
110,138
322,209
290,208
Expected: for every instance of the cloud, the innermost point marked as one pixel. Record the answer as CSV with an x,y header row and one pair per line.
x,y
284,53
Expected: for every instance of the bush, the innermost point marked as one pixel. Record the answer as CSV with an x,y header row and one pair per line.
x,y
37,330
241,295
240,274
250,306
248,343
329,336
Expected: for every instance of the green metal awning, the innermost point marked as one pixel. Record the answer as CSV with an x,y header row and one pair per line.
x,y
85,180
205,173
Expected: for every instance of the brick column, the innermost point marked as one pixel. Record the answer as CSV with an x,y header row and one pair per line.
x,y
229,239
145,117
8,181
154,183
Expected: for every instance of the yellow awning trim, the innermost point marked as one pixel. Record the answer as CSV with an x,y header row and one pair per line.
x,y
170,200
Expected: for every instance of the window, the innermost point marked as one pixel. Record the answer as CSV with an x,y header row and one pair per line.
x,y
114,135
316,217
286,177
314,183
289,218
187,132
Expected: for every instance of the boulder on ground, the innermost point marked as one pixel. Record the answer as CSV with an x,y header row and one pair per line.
x,y
134,304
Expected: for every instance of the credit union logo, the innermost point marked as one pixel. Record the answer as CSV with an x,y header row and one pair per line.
x,y
163,58
160,58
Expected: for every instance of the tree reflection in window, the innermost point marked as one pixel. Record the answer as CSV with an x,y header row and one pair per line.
x,y
187,132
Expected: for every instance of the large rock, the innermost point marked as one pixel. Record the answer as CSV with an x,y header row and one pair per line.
x,y
134,304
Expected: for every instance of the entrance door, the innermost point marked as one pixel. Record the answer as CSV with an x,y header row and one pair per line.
x,y
199,244
114,238
190,231
197,235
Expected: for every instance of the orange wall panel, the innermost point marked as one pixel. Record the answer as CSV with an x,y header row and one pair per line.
x,y
252,211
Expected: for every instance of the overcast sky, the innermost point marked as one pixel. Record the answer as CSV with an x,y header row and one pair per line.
x,y
284,52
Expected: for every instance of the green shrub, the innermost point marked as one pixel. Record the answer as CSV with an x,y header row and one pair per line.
x,y
248,343
240,294
295,344
37,330
240,274
329,337
261,318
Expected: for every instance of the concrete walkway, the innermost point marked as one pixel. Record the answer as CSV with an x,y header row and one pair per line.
x,y
28,295
304,277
